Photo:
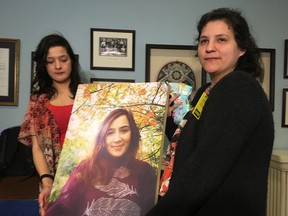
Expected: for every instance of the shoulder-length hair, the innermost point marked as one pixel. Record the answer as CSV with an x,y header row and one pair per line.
x,y
251,61
98,167
42,82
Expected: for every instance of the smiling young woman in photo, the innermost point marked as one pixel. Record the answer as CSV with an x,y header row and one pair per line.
x,y
110,181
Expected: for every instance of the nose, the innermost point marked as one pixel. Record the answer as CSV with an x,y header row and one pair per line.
x,y
210,47
58,64
117,137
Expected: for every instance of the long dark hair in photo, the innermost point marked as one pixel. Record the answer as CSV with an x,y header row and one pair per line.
x,y
100,164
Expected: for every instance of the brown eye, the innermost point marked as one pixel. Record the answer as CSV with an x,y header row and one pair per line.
x,y
64,59
109,132
203,41
125,130
222,39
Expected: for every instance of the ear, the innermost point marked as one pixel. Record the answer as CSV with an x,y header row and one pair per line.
x,y
242,52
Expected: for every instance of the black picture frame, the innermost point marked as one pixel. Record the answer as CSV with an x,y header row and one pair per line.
x,y
33,70
268,84
159,55
285,59
107,80
9,71
285,108
112,49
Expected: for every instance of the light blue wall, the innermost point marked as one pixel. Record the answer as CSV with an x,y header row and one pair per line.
x,y
155,22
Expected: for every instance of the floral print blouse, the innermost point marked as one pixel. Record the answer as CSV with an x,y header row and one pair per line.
x,y
40,122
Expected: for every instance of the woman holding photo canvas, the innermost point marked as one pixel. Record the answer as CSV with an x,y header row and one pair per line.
x,y
224,144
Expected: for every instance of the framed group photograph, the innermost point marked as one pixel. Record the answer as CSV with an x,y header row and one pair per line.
x,y
174,63
285,108
107,80
9,71
286,59
268,58
112,49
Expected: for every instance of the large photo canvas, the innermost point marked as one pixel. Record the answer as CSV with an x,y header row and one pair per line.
x,y
110,162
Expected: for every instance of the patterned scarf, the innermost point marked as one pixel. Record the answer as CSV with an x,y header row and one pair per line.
x,y
171,150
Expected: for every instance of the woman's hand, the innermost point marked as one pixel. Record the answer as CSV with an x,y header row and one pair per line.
x,y
43,199
42,168
174,103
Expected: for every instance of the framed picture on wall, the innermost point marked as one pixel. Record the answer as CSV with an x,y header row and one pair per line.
x,y
174,63
112,49
285,108
286,59
9,71
268,58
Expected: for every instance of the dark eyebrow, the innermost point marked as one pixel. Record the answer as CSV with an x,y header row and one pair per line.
x,y
52,57
125,126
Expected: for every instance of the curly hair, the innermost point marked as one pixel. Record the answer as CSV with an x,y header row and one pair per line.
x,y
251,61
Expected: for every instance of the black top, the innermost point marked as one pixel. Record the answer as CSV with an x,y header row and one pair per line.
x,y
222,160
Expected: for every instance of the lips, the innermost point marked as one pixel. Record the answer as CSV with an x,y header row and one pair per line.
x,y
118,147
210,59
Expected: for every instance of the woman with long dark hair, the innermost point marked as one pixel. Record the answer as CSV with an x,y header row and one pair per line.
x,y
45,122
